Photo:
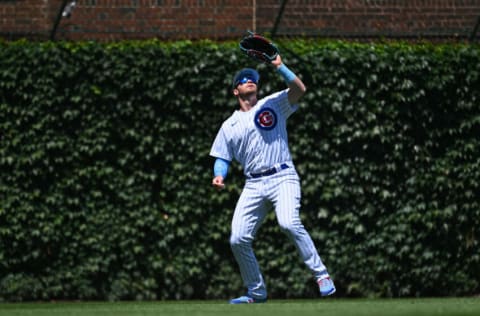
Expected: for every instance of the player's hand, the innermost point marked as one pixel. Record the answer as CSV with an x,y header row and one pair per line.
x,y
217,182
277,62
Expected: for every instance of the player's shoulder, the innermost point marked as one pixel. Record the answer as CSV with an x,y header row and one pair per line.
x,y
276,96
279,100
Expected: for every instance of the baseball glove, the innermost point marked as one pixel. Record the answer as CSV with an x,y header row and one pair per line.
x,y
259,48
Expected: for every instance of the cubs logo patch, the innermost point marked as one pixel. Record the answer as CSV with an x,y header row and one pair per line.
x,y
265,119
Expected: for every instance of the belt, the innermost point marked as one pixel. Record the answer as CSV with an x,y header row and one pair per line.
x,y
270,171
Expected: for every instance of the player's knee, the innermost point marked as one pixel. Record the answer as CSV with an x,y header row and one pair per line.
x,y
239,241
290,227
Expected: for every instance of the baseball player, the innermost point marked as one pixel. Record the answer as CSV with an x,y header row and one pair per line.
x,y
255,135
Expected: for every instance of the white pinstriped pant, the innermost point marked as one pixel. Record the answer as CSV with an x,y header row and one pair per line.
x,y
282,192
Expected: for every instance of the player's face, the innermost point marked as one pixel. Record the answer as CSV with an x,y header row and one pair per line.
x,y
247,85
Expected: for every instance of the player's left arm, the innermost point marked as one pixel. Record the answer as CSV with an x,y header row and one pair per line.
x,y
296,86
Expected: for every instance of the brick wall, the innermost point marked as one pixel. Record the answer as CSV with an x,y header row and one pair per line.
x,y
19,18
224,19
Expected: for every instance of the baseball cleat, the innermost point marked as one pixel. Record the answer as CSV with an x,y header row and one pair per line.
x,y
247,300
326,286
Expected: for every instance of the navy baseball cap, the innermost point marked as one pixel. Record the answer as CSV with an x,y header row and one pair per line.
x,y
245,72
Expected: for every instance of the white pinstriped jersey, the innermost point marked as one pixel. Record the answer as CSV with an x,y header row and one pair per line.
x,y
257,139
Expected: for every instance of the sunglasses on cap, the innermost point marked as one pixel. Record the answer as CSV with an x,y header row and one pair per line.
x,y
244,80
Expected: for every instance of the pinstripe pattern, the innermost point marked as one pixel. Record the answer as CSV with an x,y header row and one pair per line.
x,y
258,140
281,192
255,149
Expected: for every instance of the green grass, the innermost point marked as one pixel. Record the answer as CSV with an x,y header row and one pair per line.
x,y
325,307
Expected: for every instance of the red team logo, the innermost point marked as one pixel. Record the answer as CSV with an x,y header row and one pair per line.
x,y
266,119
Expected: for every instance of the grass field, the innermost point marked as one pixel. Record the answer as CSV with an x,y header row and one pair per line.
x,y
326,307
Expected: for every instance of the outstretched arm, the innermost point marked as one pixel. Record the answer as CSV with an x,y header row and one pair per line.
x,y
296,87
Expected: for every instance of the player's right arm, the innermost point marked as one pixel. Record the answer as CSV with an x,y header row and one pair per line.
x,y
217,182
220,151
220,171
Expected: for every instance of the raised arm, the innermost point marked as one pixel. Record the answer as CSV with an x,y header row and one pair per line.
x,y
296,87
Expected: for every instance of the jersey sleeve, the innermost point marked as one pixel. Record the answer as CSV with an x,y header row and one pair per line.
x,y
281,100
220,147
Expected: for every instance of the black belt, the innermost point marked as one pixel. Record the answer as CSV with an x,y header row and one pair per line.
x,y
269,172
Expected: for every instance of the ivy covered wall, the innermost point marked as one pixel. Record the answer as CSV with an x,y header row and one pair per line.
x,y
105,176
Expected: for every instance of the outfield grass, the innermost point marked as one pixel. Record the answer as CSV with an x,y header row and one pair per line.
x,y
325,307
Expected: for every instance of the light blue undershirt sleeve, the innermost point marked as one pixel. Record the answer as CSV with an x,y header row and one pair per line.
x,y
220,168
286,73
